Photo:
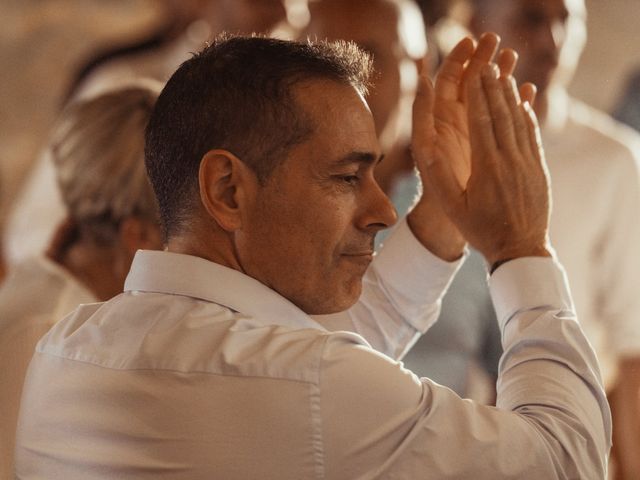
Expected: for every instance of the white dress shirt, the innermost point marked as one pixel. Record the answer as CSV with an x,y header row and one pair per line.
x,y
594,164
197,371
37,293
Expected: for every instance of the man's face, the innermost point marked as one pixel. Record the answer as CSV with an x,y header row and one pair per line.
x,y
373,25
546,33
308,232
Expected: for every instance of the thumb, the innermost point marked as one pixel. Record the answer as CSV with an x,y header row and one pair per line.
x,y
423,127
432,167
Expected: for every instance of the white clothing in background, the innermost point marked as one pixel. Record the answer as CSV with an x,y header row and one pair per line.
x,y
35,213
37,293
594,164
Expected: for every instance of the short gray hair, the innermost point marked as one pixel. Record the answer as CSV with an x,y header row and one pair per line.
x,y
97,148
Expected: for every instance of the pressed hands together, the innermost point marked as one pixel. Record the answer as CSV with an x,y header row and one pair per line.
x,y
477,147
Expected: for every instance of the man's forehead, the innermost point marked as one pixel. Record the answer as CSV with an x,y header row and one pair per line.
x,y
340,117
322,95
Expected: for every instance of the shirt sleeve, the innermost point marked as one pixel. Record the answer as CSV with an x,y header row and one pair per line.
x,y
552,420
401,295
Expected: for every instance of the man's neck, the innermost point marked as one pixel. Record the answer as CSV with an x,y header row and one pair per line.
x,y
215,248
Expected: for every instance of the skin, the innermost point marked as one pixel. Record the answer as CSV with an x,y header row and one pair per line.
x,y
550,35
331,206
479,132
444,133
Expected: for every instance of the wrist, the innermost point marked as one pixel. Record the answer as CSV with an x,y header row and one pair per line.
x,y
496,260
436,232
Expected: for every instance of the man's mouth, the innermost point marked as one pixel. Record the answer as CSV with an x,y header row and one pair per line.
x,y
364,257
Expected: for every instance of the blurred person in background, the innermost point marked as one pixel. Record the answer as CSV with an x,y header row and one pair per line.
x,y
190,23
41,46
595,173
433,11
98,152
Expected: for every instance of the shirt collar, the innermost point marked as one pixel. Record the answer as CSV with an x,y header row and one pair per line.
x,y
187,275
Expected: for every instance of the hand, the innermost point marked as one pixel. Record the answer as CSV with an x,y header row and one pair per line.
x,y
440,129
500,204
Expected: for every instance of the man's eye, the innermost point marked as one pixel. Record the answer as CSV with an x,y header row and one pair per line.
x,y
350,179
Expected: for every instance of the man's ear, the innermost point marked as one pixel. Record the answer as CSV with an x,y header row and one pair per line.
x,y
225,184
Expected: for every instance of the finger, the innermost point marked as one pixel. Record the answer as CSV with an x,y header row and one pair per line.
x,y
437,170
486,49
501,114
423,130
528,92
507,61
520,127
534,133
451,71
481,134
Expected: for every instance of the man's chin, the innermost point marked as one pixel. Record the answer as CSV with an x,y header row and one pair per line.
x,y
338,302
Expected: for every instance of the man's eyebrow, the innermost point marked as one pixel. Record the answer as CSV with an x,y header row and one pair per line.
x,y
360,157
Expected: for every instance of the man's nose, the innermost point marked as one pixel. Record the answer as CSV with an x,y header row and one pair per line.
x,y
377,212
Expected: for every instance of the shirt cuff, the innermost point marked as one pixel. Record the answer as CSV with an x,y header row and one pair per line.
x,y
529,283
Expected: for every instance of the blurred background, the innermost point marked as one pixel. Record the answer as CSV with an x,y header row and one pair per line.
x,y
45,44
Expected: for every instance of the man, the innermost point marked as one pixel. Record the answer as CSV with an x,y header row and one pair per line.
x,y
261,153
98,152
595,172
